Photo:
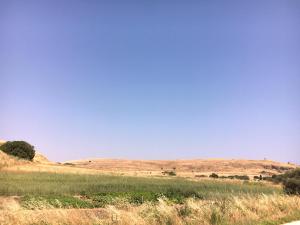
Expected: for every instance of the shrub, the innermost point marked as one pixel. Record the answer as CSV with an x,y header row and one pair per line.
x,y
242,177
20,149
239,177
214,175
170,173
269,179
291,181
256,178
69,164
292,186
177,195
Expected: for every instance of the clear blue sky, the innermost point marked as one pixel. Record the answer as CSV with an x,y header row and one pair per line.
x,y
152,79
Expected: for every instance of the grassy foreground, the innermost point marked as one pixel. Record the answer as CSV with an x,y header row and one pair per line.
x,y
47,198
101,190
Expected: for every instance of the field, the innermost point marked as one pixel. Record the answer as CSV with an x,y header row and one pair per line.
x,y
45,184
49,198
137,192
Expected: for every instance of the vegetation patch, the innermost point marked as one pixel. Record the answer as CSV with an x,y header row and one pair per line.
x,y
261,209
290,181
238,177
170,200
35,183
42,202
214,175
170,173
200,176
19,149
58,190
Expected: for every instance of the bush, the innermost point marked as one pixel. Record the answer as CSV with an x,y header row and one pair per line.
x,y
177,195
239,177
170,173
292,186
20,149
242,177
69,164
214,175
269,179
291,181
258,177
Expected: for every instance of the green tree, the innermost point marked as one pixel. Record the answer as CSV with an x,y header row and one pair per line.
x,y
19,149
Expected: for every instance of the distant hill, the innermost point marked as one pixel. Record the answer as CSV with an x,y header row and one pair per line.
x,y
187,167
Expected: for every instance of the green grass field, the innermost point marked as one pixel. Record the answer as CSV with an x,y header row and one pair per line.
x,y
99,190
96,199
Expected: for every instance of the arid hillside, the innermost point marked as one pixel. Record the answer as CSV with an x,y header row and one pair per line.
x,y
186,167
10,161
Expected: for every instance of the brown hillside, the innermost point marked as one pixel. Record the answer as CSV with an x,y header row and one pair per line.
x,y
8,161
39,164
186,167
39,158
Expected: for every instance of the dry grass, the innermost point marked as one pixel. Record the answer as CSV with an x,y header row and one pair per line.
x,y
39,164
183,168
237,210
39,158
186,168
51,168
9,161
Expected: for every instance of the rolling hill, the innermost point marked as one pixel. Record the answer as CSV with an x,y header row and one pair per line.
x,y
188,168
185,168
